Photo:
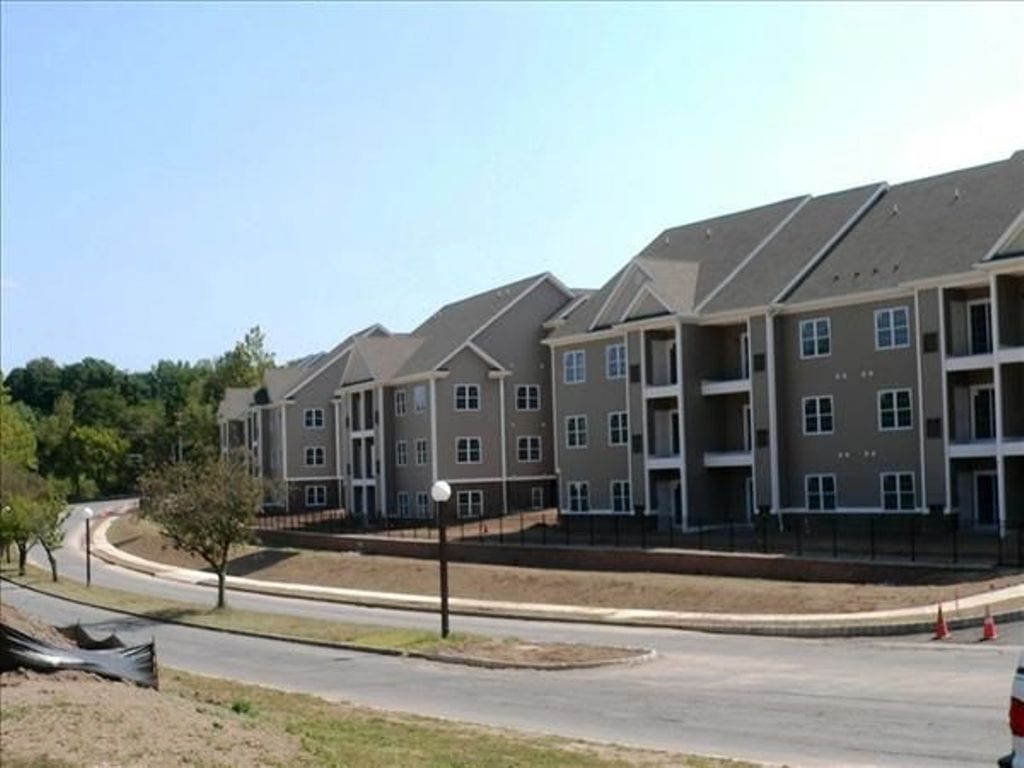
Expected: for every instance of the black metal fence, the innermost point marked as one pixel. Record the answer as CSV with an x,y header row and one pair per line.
x,y
937,539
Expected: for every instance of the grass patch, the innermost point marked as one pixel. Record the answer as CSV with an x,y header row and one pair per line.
x,y
360,636
339,734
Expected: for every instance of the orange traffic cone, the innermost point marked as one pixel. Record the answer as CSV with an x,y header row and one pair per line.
x,y
988,630
941,627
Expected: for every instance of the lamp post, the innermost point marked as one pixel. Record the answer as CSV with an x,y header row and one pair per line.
x,y
88,546
440,492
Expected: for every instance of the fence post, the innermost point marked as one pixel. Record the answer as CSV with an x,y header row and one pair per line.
x,y
999,550
544,528
835,537
764,533
1020,544
871,529
700,537
568,535
956,542
643,532
671,533
732,536
590,523
522,529
913,538
501,529
799,536
616,530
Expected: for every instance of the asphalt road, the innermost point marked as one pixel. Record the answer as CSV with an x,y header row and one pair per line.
x,y
799,702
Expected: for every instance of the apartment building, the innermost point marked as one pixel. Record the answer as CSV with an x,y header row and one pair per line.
x,y
464,397
288,427
855,352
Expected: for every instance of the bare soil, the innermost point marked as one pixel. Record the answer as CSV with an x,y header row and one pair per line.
x,y
657,591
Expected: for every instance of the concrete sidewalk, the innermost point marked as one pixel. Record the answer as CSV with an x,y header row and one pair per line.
x,y
1005,604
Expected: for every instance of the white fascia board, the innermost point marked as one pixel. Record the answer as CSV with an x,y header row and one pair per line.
x,y
1011,264
578,338
633,264
644,290
816,259
320,369
867,297
750,256
1004,238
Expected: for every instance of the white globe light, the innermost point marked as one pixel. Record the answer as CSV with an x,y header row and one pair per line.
x,y
440,491
89,513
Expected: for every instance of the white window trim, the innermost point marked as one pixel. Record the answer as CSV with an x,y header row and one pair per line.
x,y
313,411
417,406
527,387
401,453
586,431
305,455
608,361
572,353
608,435
800,337
577,485
468,389
819,476
422,510
402,503
400,398
480,452
535,492
895,409
803,415
881,490
315,503
540,453
611,495
469,496
426,452
892,327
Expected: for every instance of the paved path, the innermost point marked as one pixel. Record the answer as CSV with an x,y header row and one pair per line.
x,y
802,702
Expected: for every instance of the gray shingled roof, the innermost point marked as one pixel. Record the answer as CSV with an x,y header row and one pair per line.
x,y
765,276
277,381
941,225
448,328
317,363
689,261
379,357
235,403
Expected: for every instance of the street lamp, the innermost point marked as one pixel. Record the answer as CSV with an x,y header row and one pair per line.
x,y
88,546
440,492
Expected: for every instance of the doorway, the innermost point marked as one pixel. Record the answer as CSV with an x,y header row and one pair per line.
x,y
986,499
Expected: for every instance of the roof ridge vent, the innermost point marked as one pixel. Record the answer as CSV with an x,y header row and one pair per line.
x,y
956,193
707,233
895,209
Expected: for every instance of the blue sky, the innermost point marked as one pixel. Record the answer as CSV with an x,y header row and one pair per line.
x,y
173,174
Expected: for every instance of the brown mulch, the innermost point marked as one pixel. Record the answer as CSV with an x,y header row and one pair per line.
x,y
656,591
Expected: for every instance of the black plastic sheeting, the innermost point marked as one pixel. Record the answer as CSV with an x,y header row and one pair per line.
x,y
136,664
77,634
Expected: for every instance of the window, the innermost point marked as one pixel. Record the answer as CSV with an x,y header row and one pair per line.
x,y
422,505
983,413
422,452
618,428
895,410
574,367
615,361
537,497
401,453
575,431
316,495
898,490
579,497
419,398
620,496
313,418
467,450
821,491
892,328
529,449
815,337
818,415
403,504
315,456
527,397
400,411
469,503
467,397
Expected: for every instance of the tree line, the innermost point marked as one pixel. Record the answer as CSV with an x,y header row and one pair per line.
x,y
88,430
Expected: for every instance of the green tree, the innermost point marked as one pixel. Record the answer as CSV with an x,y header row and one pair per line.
x,y
17,437
243,366
32,509
206,508
98,454
37,385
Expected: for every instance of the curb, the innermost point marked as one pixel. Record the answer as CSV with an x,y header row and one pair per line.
x,y
795,630
640,655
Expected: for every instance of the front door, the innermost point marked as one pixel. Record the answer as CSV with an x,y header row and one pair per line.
x,y
986,499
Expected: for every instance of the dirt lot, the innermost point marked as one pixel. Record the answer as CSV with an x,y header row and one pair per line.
x,y
590,588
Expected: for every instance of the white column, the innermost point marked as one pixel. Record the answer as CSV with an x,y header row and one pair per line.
x,y
680,405
433,430
997,378
920,398
945,402
773,410
382,484
504,448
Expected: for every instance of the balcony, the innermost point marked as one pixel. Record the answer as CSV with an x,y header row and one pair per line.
x,y
710,388
972,449
715,459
